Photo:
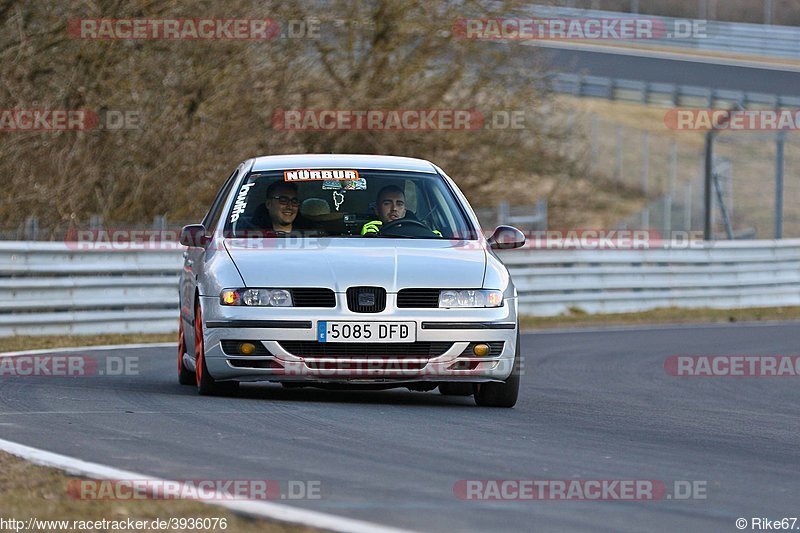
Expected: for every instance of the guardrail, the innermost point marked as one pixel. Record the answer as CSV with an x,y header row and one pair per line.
x,y
731,37
50,288
666,94
722,274
54,289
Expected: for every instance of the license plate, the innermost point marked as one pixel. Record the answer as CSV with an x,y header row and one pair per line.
x,y
366,331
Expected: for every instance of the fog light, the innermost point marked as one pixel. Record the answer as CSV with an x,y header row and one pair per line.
x,y
247,348
481,350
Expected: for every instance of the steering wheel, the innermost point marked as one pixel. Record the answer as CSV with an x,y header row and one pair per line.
x,y
409,221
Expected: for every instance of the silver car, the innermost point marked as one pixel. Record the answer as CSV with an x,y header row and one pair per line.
x,y
347,270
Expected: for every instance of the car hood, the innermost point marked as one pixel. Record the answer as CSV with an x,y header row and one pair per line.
x,y
346,262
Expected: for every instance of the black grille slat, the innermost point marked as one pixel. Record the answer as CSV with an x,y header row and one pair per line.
x,y
361,367
253,363
418,298
313,297
377,293
366,350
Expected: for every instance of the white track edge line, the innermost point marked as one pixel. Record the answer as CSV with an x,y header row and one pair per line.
x,y
92,348
275,511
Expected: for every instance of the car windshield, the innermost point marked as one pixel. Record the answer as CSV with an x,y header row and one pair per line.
x,y
346,203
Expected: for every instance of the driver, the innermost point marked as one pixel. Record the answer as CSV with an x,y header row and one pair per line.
x,y
390,206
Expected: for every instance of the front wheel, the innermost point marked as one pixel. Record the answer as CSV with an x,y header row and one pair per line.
x,y
185,376
501,394
206,384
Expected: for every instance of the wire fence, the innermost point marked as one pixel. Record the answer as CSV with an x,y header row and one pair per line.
x,y
668,168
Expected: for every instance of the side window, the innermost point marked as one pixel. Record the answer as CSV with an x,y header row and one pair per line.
x,y
212,217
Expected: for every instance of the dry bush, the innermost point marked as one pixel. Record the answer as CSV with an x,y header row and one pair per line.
x,y
206,105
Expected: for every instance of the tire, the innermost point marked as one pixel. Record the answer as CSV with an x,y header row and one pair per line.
x,y
456,389
501,394
206,384
185,376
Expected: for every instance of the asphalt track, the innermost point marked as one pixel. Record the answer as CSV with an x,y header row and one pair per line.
x,y
594,405
653,69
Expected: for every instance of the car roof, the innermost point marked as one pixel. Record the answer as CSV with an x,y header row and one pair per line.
x,y
354,161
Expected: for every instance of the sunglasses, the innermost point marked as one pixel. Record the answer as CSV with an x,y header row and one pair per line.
x,y
285,200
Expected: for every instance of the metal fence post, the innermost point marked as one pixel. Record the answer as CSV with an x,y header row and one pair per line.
x,y
620,154
673,183
502,213
645,162
780,143
31,231
687,206
593,144
707,193
768,11
160,222
541,212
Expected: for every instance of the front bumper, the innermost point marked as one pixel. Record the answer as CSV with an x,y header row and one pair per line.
x,y
451,330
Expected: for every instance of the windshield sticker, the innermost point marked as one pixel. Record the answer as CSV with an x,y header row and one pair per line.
x,y
241,202
317,175
338,199
355,185
331,184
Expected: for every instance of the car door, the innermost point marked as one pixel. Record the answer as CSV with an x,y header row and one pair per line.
x,y
194,256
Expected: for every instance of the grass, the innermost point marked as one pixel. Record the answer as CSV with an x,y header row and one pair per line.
x,y
28,490
672,315
21,343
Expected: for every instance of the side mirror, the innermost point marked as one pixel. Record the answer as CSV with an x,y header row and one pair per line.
x,y
506,238
194,235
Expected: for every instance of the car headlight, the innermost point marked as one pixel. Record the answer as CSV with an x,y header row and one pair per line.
x,y
256,297
470,298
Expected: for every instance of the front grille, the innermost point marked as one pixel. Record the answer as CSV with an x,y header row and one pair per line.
x,y
418,298
366,350
495,348
232,348
361,367
313,297
375,295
